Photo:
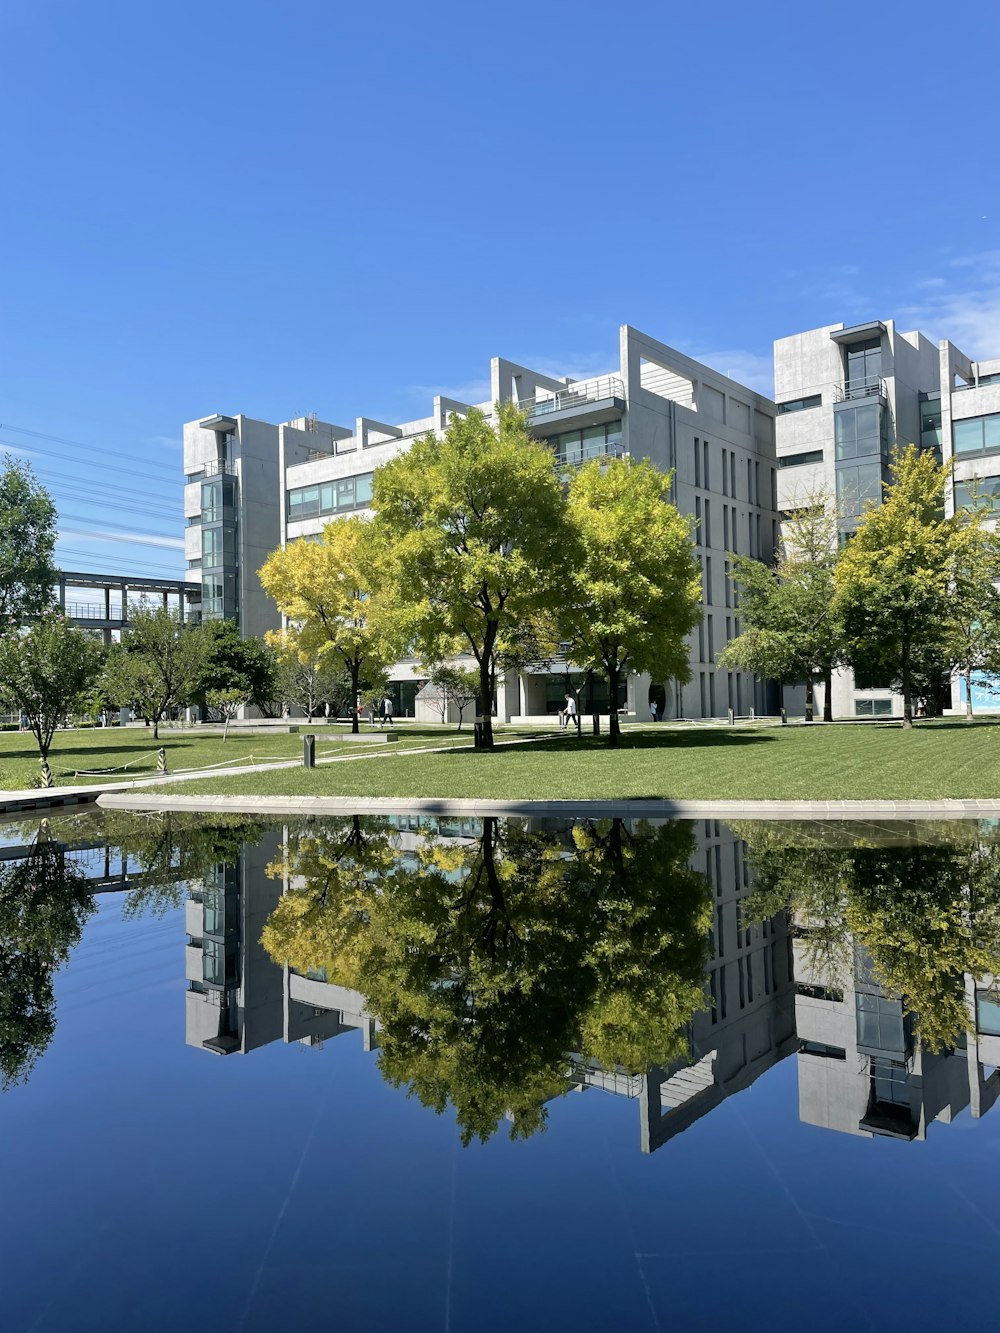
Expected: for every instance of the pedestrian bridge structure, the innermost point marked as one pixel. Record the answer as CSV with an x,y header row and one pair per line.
x,y
120,594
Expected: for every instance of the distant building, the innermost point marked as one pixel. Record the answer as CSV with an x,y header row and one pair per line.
x,y
253,486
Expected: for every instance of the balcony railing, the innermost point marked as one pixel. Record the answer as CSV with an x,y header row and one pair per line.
x,y
872,387
213,469
574,395
599,449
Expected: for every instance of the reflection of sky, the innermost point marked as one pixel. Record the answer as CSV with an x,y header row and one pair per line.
x,y
150,1185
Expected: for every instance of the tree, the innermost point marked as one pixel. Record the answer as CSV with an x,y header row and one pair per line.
x,y
227,703
792,626
27,543
476,523
307,679
158,666
453,684
247,666
487,961
893,579
338,597
44,670
974,608
44,905
634,592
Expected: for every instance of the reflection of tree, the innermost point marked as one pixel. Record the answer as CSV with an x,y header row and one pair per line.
x,y
927,912
169,849
486,962
44,904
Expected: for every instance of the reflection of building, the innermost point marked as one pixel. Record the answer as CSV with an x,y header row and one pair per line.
x,y
750,1022
253,486
862,1070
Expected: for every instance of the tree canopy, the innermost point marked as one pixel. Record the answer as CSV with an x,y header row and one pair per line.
x,y
27,543
158,665
476,524
338,594
893,579
44,670
634,590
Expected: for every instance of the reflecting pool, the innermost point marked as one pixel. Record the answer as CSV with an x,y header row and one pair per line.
x,y
483,1074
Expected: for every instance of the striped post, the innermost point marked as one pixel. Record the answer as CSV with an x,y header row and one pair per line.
x,y
161,761
46,774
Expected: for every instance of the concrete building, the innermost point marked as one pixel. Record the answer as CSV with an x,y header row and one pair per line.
x,y
252,486
846,397
862,1069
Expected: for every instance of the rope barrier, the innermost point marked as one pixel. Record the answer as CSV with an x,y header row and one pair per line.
x,y
98,772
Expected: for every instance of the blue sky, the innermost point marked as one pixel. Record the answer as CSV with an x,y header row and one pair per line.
x,y
276,209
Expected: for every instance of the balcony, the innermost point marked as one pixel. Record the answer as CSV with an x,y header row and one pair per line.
x,y
215,468
872,387
607,390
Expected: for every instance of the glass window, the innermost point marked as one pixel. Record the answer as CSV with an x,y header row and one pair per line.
x,y
930,414
570,448
867,417
211,501
880,1023
593,441
847,490
800,460
345,493
211,546
988,1014
363,489
869,484
983,492
991,432
968,436
614,437
846,432
864,363
800,404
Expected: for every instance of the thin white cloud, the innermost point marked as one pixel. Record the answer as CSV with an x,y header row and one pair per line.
x,y
136,538
963,307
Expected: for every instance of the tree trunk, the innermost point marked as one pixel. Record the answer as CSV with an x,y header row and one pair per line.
x,y
907,688
828,695
156,728
355,684
486,681
614,729
809,696
967,675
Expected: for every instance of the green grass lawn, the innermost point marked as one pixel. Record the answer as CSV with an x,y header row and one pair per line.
x,y
134,746
936,759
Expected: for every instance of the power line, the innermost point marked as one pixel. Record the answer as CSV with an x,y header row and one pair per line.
x,y
78,444
155,566
110,523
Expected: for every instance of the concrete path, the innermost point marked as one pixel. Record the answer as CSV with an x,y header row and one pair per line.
x,y
637,809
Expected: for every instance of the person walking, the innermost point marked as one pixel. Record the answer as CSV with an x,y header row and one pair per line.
x,y
653,710
387,711
570,711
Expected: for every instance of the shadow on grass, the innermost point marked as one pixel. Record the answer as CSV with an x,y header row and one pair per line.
x,y
632,741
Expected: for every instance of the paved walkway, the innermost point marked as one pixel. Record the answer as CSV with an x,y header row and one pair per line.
x,y
637,809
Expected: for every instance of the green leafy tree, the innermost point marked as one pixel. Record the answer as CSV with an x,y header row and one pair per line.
x,y
477,527
792,627
634,592
926,913
44,905
44,670
893,579
973,635
231,663
340,600
488,961
27,543
158,666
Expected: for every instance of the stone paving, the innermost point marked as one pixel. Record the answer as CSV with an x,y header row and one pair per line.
x,y
631,809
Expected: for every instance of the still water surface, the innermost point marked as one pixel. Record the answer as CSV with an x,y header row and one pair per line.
x,y
410,1074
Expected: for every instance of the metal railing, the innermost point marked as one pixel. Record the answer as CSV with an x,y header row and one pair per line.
x,y
574,395
213,469
586,452
871,387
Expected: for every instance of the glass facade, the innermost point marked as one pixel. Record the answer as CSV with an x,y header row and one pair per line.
x,y
330,497
977,435
860,430
981,492
864,364
858,486
801,460
578,446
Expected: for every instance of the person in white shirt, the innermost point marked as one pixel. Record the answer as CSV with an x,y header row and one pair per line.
x,y
570,711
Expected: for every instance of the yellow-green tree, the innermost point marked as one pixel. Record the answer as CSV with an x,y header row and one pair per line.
x,y
476,522
894,578
338,594
634,591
